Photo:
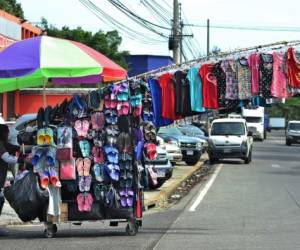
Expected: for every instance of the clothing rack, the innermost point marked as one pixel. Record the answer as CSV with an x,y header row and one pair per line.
x,y
270,46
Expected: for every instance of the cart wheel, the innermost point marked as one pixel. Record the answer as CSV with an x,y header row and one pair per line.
x,y
54,228
132,228
49,233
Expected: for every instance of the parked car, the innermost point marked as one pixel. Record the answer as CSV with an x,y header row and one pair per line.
x,y
162,165
191,147
193,131
20,125
173,151
293,133
229,138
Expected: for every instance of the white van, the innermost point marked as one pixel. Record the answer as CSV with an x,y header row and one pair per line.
x,y
229,138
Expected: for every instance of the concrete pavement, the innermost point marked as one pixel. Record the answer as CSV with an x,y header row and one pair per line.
x,y
252,206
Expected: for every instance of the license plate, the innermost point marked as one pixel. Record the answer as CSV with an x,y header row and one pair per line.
x,y
227,150
171,157
161,174
190,152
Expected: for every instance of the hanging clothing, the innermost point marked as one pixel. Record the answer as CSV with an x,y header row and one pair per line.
x,y
244,79
182,94
231,80
279,81
155,89
293,69
266,71
168,96
209,88
221,84
253,61
195,89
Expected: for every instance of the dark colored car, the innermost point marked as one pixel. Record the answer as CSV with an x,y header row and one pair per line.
x,y
191,130
191,147
293,133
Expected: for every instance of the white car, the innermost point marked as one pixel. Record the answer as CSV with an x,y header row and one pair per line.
x,y
173,151
229,138
22,123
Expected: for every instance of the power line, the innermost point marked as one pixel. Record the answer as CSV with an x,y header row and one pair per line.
x,y
112,22
143,22
253,28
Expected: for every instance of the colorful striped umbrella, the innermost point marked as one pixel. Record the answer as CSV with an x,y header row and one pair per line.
x,y
32,62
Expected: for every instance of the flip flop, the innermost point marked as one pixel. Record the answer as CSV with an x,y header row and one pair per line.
x,y
86,166
81,184
80,202
79,166
87,183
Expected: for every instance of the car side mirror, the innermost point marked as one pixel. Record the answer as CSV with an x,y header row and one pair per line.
x,y
250,133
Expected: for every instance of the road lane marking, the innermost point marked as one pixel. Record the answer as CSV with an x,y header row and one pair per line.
x,y
275,166
204,191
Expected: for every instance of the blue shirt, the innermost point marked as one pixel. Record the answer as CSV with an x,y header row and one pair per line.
x,y
195,89
155,89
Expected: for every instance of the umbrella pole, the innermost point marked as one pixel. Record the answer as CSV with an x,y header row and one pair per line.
x,y
44,94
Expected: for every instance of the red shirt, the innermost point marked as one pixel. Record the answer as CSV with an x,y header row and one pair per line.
x,y
293,69
209,87
167,96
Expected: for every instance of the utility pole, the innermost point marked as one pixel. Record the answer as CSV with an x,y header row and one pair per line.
x,y
208,38
176,31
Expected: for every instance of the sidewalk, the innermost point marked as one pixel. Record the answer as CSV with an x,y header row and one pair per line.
x,y
153,198
157,198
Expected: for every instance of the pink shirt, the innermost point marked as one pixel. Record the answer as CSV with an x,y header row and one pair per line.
x,y
253,61
279,81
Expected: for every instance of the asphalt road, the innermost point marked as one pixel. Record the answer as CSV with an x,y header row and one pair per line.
x,y
254,206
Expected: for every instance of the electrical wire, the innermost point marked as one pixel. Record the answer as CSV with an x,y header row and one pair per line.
x,y
253,28
112,22
157,14
143,22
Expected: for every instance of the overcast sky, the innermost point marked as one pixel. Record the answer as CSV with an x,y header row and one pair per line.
x,y
221,12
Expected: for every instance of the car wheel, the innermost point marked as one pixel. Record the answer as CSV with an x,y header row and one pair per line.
x,y
213,160
192,162
288,143
249,158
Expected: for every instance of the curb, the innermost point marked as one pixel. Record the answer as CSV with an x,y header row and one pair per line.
x,y
166,191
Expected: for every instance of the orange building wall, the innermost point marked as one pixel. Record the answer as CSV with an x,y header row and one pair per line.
x,y
30,103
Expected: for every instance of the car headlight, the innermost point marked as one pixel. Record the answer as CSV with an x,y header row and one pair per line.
x,y
199,145
244,145
176,143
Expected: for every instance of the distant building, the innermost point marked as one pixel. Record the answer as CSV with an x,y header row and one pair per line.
x,y
13,29
138,64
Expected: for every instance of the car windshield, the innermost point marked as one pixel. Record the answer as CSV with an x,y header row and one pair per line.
x,y
253,119
192,131
228,128
294,126
169,131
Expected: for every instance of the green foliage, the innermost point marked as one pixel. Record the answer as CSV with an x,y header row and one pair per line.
x,y
290,110
107,43
12,7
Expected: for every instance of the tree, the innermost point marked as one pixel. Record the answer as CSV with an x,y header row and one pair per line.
x,y
12,7
107,43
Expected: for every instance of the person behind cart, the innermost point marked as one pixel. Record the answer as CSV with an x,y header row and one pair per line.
x,y
9,154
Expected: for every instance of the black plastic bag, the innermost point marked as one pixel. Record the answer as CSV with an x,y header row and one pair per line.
x,y
27,198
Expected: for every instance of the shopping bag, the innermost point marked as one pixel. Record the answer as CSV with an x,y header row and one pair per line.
x,y
64,150
27,198
64,154
68,170
152,175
